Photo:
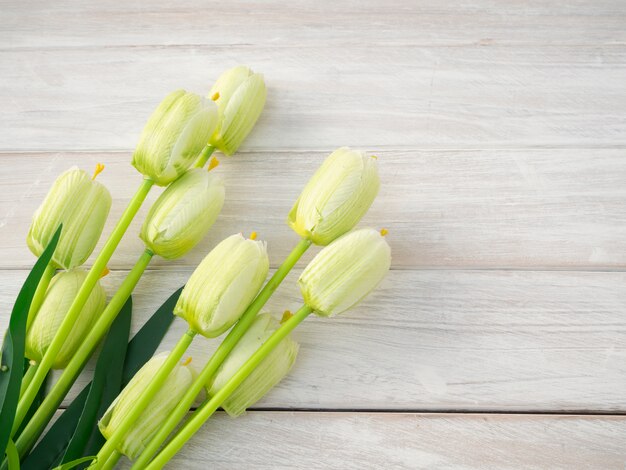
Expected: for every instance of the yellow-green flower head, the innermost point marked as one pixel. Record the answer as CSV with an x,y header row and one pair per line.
x,y
183,213
174,136
149,421
223,284
57,301
345,271
336,197
267,374
240,96
82,206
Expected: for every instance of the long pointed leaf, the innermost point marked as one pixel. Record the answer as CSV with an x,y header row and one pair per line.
x,y
11,368
147,340
48,452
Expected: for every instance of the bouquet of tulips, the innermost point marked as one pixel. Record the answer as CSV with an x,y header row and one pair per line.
x,y
137,405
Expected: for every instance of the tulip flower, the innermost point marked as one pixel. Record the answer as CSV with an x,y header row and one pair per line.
x,y
55,305
345,271
175,134
183,214
362,259
269,372
82,205
337,196
223,285
240,96
154,414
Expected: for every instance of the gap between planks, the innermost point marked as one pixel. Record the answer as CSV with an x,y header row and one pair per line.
x,y
433,412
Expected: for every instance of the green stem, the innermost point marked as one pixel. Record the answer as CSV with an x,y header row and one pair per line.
x,y
79,302
110,463
204,156
13,459
147,395
203,413
47,408
40,293
220,354
28,377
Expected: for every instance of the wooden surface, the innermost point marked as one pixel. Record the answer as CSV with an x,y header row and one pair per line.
x,y
499,338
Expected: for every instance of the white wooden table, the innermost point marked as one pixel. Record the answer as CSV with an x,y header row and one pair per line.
x,y
499,338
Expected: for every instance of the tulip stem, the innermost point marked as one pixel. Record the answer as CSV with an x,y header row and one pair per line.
x,y
47,408
79,302
203,413
204,156
13,459
28,377
147,395
110,463
220,354
40,293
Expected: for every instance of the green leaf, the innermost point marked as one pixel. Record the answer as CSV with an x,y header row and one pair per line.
x,y
147,340
50,449
11,368
105,386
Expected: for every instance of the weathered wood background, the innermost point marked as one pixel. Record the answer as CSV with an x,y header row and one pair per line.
x,y
499,338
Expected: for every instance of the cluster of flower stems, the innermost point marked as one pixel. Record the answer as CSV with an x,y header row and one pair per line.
x,y
109,455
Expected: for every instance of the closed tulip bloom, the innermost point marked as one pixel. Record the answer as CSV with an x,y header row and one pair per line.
x,y
345,271
174,136
183,213
144,428
59,296
240,96
223,285
336,197
79,203
267,374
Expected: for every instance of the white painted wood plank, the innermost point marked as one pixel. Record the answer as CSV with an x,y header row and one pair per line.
x,y
522,208
326,96
71,23
439,340
262,440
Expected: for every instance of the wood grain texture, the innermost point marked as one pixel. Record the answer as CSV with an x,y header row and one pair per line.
x,y
324,97
398,441
522,208
440,340
72,23
500,128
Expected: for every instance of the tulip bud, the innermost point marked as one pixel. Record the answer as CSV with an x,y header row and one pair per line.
x,y
336,197
183,213
157,411
174,136
345,271
82,206
57,301
223,285
267,374
240,96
